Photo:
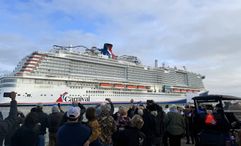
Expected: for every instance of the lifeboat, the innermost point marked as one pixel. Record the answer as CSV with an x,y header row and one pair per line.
x,y
105,85
176,90
119,86
189,90
141,87
131,87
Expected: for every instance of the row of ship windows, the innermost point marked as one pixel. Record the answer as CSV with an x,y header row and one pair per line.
x,y
79,87
7,80
141,73
88,91
139,80
36,81
59,83
78,65
90,72
59,70
64,62
29,95
123,93
72,95
7,85
81,70
85,85
138,76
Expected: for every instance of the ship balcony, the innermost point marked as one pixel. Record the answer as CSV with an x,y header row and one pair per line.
x,y
26,70
31,60
28,67
36,57
31,63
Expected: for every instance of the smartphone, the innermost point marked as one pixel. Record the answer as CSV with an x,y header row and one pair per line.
x,y
6,94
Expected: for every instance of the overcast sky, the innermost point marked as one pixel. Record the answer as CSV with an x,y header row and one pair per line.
x,y
203,35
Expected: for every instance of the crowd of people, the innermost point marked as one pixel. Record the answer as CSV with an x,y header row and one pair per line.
x,y
138,125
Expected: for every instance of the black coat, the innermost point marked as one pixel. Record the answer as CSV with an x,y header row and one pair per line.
x,y
43,120
128,137
25,136
9,122
54,121
16,126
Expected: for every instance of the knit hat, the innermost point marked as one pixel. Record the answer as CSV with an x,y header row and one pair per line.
x,y
55,109
73,112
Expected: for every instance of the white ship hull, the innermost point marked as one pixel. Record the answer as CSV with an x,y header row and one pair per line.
x,y
32,94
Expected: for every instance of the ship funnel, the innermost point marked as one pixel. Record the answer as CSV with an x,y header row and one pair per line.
x,y
156,63
107,50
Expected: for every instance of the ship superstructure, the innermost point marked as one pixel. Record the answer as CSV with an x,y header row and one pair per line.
x,y
67,74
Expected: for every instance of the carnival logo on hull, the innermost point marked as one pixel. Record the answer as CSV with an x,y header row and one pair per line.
x,y
66,98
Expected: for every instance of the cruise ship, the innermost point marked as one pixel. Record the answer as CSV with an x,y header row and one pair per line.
x,y
67,74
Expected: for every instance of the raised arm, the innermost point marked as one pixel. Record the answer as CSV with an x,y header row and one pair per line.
x,y
9,122
111,106
13,106
82,109
60,109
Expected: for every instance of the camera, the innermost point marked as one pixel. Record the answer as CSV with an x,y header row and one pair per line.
x,y
10,94
7,94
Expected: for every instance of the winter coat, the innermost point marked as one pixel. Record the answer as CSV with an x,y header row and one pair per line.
x,y
25,136
43,120
128,137
108,127
54,120
9,122
175,123
12,131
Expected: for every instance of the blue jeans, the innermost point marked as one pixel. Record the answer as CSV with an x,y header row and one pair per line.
x,y
41,140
